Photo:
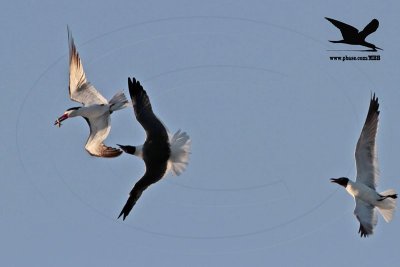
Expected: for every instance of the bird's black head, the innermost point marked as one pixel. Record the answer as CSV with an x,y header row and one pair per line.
x,y
128,149
74,108
343,181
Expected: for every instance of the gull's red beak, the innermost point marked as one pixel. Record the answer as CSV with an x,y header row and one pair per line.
x,y
60,119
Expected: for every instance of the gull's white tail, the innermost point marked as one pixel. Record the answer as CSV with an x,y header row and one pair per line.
x,y
180,149
118,101
387,206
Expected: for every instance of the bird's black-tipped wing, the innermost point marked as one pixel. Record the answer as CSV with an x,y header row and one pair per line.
x,y
154,172
366,152
367,217
348,31
144,112
370,28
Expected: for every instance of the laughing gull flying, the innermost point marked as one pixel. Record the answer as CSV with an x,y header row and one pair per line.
x,y
96,109
363,189
352,36
161,152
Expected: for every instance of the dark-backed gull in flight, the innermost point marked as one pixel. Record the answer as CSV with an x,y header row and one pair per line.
x,y
161,152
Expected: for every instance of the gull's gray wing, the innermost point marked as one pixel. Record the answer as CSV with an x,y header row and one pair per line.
x,y
366,154
367,217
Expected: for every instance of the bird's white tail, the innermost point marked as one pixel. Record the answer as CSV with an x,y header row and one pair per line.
x,y
387,206
180,149
118,101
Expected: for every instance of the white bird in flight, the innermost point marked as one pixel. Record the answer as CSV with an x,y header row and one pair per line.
x,y
96,109
161,152
363,189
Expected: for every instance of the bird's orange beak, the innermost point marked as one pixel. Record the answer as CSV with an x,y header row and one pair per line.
x,y
60,119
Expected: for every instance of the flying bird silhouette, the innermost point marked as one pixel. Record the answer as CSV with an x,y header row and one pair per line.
x,y
96,109
352,36
363,189
161,152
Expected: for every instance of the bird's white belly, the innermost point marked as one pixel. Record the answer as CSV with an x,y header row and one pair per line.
x,y
94,111
363,192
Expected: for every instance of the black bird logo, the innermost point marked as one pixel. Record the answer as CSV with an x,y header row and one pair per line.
x,y
353,37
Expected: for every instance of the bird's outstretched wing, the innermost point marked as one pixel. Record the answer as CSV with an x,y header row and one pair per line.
x,y
347,31
367,217
144,112
370,28
80,90
366,154
99,130
154,172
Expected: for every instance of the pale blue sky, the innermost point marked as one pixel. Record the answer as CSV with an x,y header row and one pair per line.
x,y
270,116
